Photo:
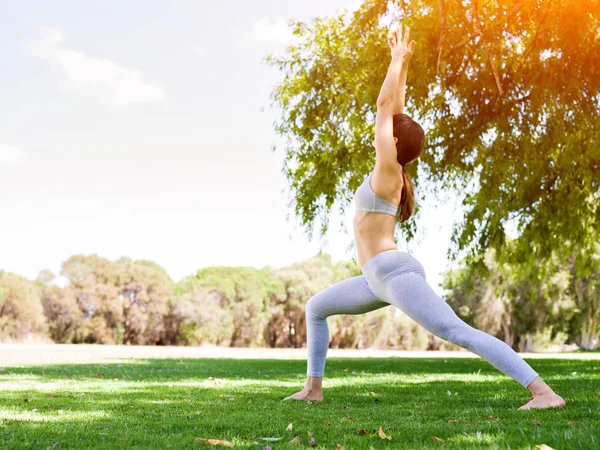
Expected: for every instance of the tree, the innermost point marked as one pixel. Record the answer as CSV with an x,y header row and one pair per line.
x,y
529,308
144,293
60,308
584,286
508,92
122,301
225,305
21,313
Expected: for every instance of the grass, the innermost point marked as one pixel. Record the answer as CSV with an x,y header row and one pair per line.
x,y
463,402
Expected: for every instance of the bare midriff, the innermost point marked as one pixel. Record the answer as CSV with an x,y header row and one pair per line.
x,y
373,234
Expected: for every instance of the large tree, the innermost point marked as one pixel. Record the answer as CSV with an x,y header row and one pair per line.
x,y
21,312
120,301
508,92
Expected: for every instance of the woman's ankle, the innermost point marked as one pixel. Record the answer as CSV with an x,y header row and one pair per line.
x,y
314,384
538,387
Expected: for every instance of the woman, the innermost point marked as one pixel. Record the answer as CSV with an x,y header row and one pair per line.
x,y
391,277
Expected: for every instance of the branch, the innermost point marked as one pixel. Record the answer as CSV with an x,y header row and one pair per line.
x,y
442,34
496,76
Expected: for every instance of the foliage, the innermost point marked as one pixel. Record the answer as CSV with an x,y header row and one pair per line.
x,y
554,302
21,312
508,92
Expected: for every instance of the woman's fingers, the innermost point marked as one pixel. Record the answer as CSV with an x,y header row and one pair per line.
x,y
406,35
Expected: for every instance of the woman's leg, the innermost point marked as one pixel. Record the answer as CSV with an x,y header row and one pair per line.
x,y
411,293
350,296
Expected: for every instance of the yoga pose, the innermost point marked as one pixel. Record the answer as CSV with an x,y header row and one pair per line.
x,y
392,277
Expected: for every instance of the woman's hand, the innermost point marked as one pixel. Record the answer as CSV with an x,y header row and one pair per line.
x,y
401,48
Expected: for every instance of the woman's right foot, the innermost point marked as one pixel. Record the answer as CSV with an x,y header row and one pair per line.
x,y
305,394
546,400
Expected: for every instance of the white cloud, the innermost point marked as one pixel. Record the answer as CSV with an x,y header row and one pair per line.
x,y
266,30
11,155
99,77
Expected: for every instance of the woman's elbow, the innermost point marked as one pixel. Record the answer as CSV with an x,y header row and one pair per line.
x,y
383,102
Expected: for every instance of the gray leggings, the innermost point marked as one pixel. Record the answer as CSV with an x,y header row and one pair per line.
x,y
395,278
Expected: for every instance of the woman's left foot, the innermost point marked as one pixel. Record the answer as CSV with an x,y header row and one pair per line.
x,y
549,400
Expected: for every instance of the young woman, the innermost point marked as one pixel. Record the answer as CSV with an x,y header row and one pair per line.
x,y
392,277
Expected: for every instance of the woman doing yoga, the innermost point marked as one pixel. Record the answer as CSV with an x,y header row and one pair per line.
x,y
392,277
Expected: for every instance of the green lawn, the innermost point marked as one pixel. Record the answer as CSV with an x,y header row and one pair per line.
x,y
463,402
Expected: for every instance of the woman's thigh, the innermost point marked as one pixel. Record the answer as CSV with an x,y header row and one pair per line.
x,y
349,296
412,295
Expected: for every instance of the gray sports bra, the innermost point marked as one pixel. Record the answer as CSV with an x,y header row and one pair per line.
x,y
367,200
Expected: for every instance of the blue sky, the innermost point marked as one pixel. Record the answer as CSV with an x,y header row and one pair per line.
x,y
147,132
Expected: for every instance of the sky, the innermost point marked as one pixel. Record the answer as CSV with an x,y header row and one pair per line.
x,y
147,131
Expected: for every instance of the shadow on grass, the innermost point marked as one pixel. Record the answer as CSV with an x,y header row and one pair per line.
x,y
155,403
252,369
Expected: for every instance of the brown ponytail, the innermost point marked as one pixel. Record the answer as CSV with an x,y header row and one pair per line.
x,y
407,202
411,141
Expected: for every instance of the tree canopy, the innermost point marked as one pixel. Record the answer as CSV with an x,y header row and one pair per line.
x,y
508,93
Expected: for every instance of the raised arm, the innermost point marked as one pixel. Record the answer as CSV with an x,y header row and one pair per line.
x,y
406,50
391,98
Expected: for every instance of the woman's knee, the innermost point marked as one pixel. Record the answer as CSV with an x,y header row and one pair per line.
x,y
459,334
313,308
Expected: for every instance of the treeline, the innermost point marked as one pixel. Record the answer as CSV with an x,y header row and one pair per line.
x,y
135,302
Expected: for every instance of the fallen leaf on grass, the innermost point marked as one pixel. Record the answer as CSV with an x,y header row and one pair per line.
x,y
215,442
296,440
327,425
99,375
158,403
343,370
52,395
573,422
312,442
536,422
435,438
453,421
350,418
544,447
382,435
493,417
60,412
339,447
272,439
51,409
289,427
362,431
373,393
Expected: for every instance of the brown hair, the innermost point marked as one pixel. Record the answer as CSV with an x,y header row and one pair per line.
x,y
411,141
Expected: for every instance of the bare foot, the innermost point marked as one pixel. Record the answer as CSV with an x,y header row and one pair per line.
x,y
546,400
306,395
